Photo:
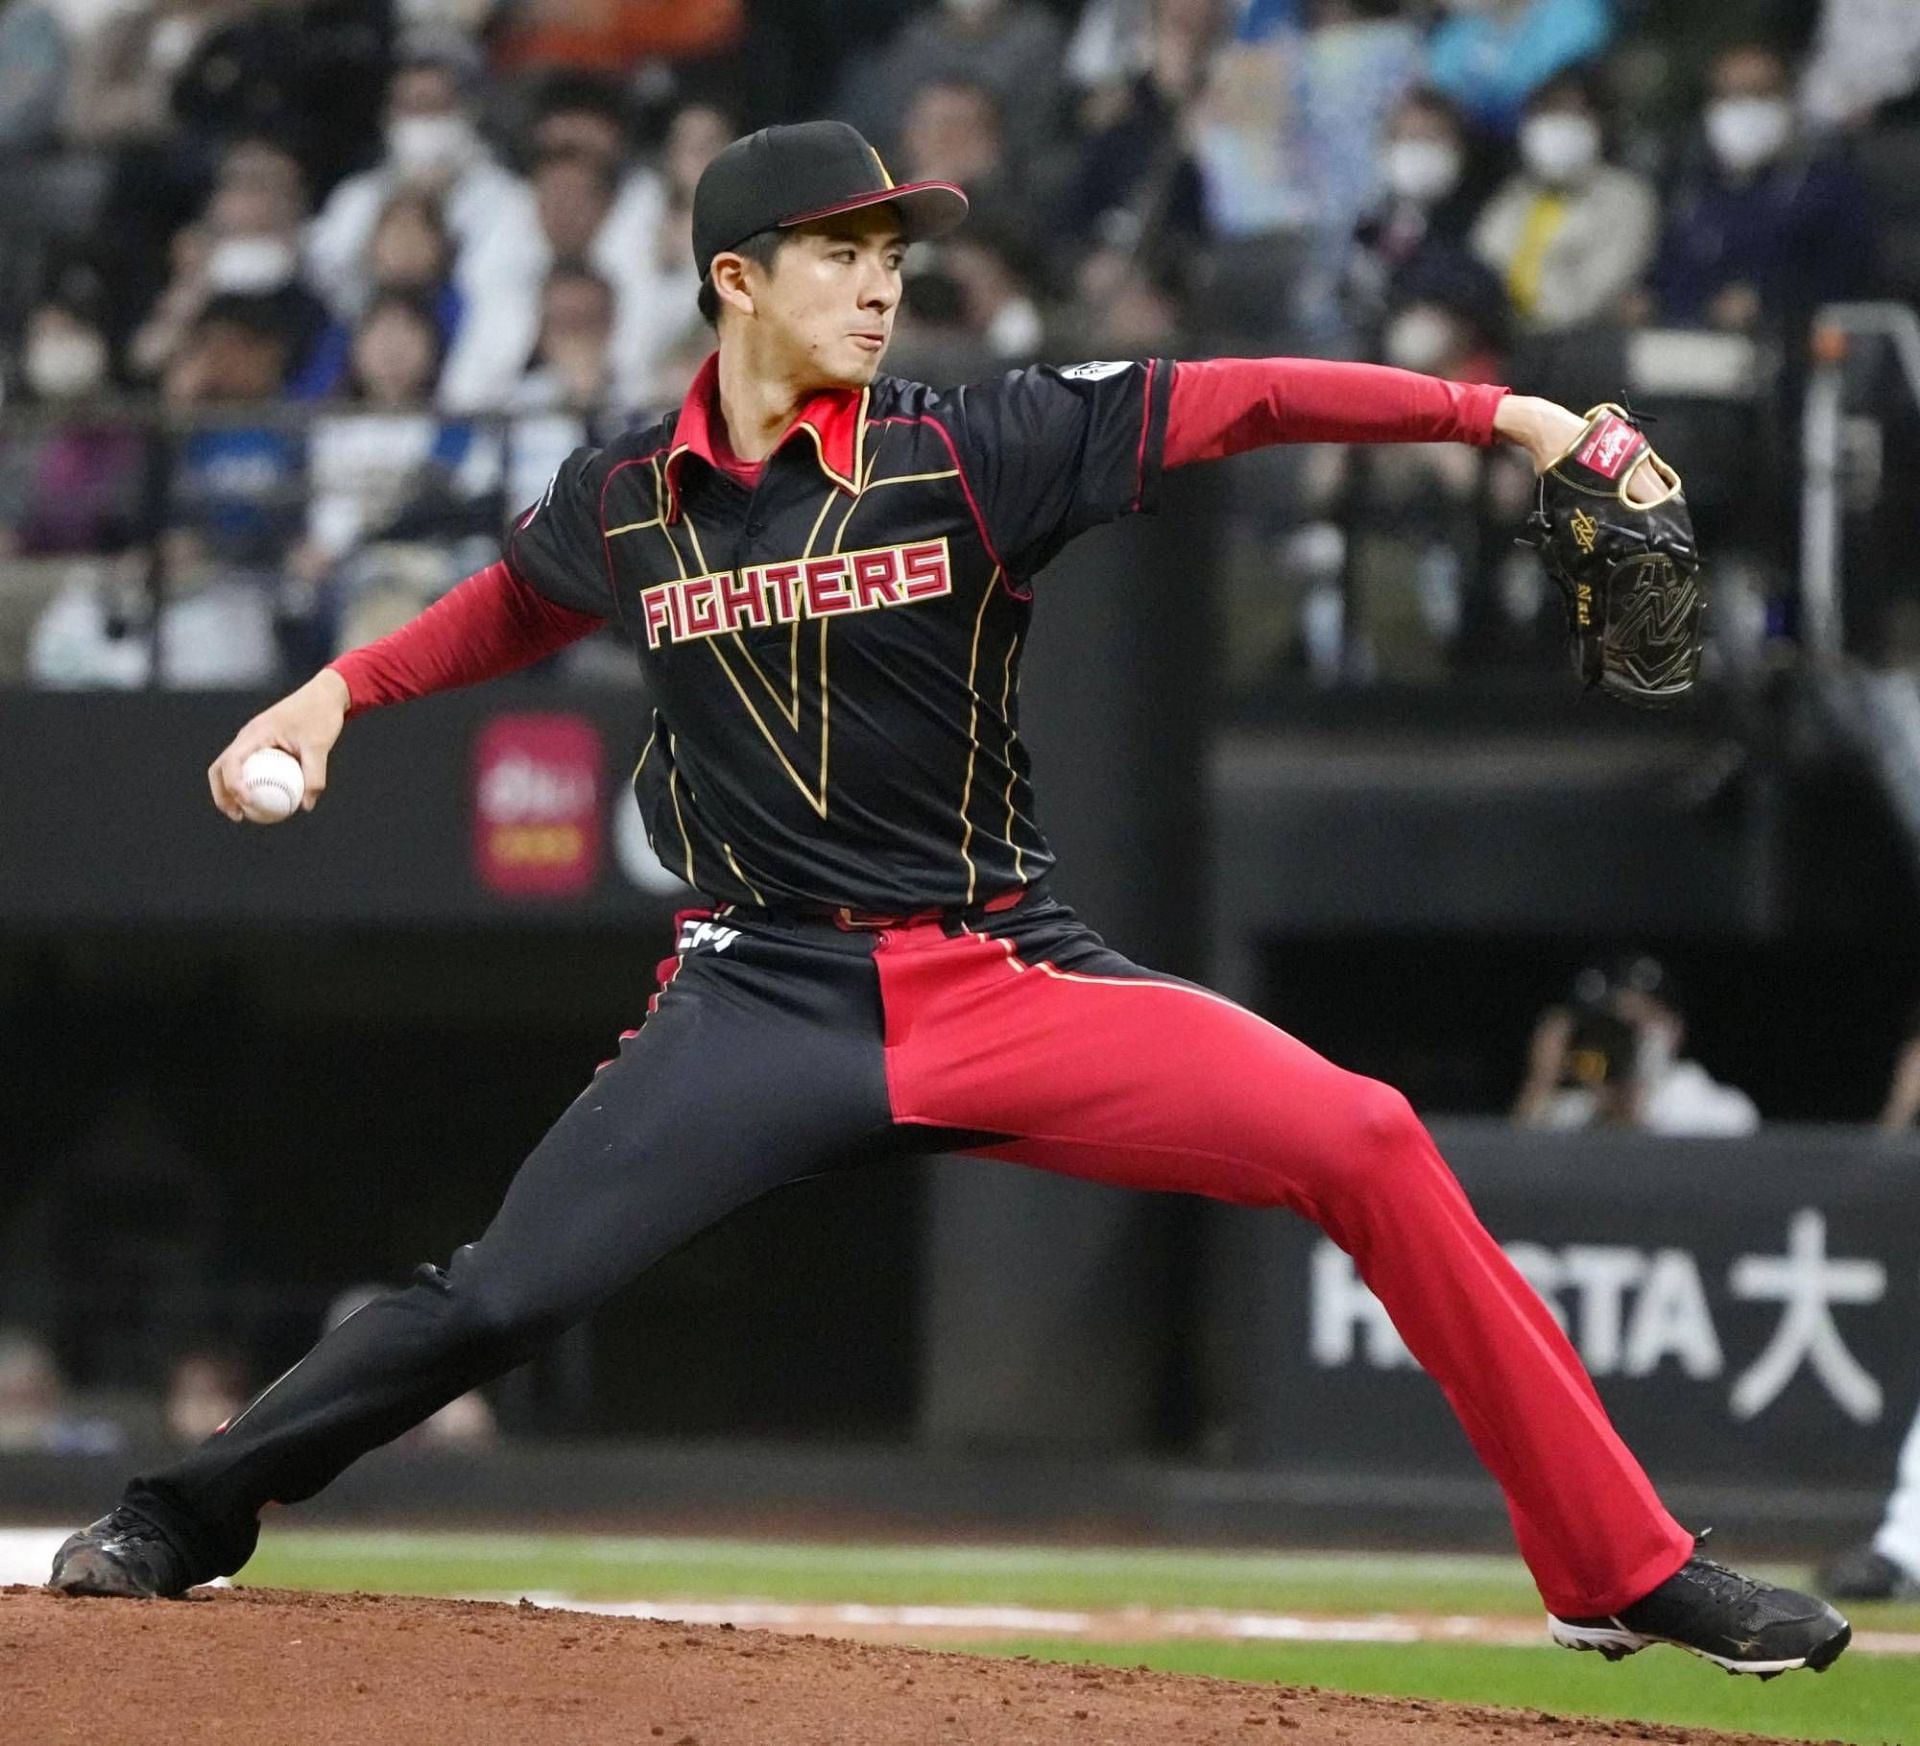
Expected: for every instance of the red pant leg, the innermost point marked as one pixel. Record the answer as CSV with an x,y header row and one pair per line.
x,y
1156,1084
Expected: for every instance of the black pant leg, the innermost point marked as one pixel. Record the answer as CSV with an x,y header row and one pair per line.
x,y
761,1064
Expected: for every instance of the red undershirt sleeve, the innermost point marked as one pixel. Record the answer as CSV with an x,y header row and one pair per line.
x,y
491,624
1221,406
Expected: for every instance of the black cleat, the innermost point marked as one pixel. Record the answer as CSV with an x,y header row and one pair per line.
x,y
1861,1573
121,1554
1734,1621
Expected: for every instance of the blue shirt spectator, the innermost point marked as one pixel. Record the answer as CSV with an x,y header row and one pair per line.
x,y
1767,225
1489,59
33,75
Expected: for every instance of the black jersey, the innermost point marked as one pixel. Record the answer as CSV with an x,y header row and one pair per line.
x,y
834,654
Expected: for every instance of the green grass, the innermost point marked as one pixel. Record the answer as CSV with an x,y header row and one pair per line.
x,y
615,1567
1874,1700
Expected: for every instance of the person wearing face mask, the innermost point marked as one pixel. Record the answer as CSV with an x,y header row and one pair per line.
x,y
1768,224
432,144
1416,234
245,244
1569,234
69,487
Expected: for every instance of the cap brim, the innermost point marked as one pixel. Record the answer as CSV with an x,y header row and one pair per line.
x,y
927,209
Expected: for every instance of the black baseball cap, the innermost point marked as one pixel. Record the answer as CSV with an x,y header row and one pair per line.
x,y
784,176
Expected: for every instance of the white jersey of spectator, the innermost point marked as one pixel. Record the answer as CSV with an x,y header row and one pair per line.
x,y
1867,52
362,467
540,439
654,301
1681,1100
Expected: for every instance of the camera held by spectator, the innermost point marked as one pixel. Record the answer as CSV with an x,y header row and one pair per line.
x,y
1611,1057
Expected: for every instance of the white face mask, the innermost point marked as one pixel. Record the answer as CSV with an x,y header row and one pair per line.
x,y
1419,338
431,145
1559,148
251,265
65,366
1422,170
1746,132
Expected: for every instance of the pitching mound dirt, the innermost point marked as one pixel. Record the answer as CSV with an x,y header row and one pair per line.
x,y
273,1668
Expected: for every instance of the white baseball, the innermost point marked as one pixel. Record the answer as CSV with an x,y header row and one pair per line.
x,y
271,786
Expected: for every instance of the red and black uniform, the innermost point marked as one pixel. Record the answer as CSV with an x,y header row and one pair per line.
x,y
832,643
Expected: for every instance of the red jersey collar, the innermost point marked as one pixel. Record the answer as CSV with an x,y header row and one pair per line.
x,y
835,418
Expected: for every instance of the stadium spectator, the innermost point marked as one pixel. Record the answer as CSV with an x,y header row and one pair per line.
x,y
1134,176
1611,1057
1569,233
410,252
1770,224
952,132
1866,53
1445,318
307,70
573,198
360,464
236,496
34,64
585,114
1286,138
995,279
1012,47
573,194
1902,1106
638,237
391,473
124,72
1491,56
655,311
1113,43
569,382
433,144
36,1416
1414,245
72,487
246,244
204,1390
572,364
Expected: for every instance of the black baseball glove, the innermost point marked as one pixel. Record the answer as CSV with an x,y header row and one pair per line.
x,y
1629,572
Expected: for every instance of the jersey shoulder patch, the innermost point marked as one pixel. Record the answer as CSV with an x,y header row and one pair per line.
x,y
1097,372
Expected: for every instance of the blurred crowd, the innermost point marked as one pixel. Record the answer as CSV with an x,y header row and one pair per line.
x,y
381,263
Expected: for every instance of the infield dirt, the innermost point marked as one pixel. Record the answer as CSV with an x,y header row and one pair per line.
x,y
276,1668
